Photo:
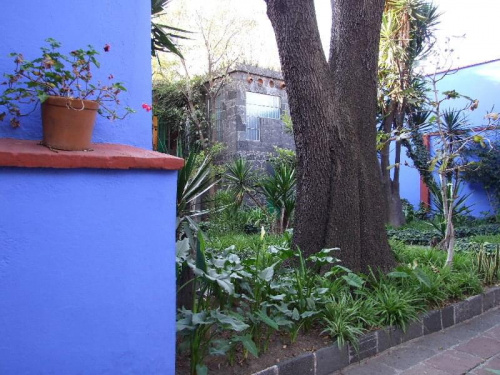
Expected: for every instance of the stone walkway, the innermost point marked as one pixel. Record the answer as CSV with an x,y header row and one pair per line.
x,y
472,347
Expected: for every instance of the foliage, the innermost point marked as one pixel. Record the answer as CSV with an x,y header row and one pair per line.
x,y
176,116
164,36
408,210
245,291
283,156
194,180
486,170
55,74
241,179
420,236
279,190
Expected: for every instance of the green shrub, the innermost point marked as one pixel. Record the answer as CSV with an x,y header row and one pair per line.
x,y
395,307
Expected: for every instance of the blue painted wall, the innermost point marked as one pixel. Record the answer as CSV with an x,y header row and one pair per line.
x,y
87,257
123,24
87,272
480,82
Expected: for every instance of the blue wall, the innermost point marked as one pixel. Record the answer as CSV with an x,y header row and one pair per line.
x,y
87,271
480,82
123,24
87,257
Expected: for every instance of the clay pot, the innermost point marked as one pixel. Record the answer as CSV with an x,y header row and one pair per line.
x,y
68,123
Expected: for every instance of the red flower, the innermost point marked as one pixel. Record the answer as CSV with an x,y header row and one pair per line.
x,y
147,107
106,47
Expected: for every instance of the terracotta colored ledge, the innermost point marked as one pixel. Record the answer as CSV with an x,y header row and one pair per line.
x,y
30,154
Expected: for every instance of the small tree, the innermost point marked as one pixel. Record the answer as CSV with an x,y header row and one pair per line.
x,y
449,161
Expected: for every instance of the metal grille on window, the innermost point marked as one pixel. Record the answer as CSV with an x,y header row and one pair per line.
x,y
218,117
260,106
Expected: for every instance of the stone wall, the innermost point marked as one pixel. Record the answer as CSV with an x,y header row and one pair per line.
x,y
272,131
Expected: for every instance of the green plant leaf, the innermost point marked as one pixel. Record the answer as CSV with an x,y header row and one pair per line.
x,y
248,344
354,280
201,370
267,273
266,319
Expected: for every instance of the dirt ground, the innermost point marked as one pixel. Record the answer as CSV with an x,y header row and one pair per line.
x,y
280,349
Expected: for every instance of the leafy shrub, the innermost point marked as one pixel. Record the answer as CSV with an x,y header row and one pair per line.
x,y
395,307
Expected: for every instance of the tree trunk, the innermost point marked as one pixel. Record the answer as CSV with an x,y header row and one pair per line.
x,y
333,107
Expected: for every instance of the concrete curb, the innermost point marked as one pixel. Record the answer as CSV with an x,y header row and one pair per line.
x,y
332,358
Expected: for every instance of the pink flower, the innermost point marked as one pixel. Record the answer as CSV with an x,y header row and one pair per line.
x,y
147,107
106,47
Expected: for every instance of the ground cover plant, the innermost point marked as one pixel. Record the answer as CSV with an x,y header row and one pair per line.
x,y
256,289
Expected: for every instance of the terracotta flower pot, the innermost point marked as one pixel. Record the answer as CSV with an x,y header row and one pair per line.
x,y
68,123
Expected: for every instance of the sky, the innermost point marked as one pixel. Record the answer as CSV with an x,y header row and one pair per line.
x,y
470,25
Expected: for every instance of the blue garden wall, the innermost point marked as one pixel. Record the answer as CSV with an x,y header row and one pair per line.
x,y
87,256
87,272
482,82
123,24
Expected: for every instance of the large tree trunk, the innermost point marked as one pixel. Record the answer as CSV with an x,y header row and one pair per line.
x,y
333,107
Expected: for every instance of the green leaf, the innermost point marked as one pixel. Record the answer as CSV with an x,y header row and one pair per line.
x,y
398,274
248,344
42,97
354,280
229,321
201,370
266,319
422,277
267,273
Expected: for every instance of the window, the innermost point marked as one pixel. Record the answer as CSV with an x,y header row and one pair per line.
x,y
260,106
218,117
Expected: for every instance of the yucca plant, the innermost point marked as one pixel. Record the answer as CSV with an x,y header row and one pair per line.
x,y
163,36
279,189
241,180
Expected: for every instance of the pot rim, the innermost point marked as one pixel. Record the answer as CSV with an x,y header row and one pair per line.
x,y
70,103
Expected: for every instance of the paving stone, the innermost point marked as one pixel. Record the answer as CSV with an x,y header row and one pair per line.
x,y
438,341
432,322
268,371
388,337
423,369
331,359
413,331
493,364
469,308
484,347
367,347
448,316
454,362
489,299
303,365
404,357
494,333
484,322
371,367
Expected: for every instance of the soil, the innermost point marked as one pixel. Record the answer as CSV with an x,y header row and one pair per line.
x,y
280,349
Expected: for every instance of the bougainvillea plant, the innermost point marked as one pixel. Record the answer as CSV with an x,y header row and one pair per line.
x,y
55,74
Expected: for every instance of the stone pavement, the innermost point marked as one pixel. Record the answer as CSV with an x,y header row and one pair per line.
x,y
471,347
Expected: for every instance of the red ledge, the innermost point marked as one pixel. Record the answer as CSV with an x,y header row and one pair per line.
x,y
30,154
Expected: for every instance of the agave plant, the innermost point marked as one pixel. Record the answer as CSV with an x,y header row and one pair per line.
x,y
194,180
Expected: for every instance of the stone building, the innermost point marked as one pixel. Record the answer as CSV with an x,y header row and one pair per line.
x,y
248,114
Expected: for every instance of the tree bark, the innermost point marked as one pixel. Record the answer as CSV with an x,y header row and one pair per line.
x,y
333,107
